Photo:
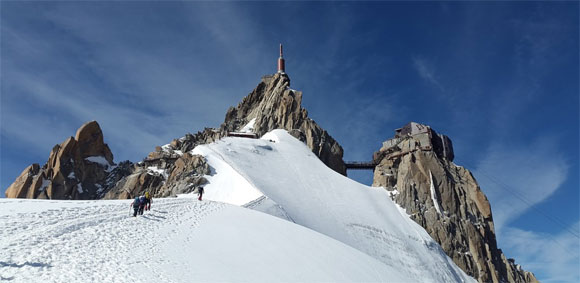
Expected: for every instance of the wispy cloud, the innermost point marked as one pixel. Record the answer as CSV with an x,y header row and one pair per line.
x,y
427,72
142,95
515,178
120,125
557,257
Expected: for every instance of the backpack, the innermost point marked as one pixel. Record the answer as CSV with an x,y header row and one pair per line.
x,y
142,200
136,202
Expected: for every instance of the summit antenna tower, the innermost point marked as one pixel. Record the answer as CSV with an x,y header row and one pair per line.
x,y
281,65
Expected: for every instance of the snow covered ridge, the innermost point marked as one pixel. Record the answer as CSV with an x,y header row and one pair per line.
x,y
180,240
317,226
289,182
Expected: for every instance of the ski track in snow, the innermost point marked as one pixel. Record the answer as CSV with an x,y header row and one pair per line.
x,y
44,246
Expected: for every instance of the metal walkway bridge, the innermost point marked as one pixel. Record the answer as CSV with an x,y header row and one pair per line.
x,y
360,165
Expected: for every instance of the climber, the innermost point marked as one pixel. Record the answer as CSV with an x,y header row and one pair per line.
x,y
136,204
200,192
141,204
148,201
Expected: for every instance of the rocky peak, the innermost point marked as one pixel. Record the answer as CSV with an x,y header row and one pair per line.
x,y
271,105
416,167
89,138
274,105
78,168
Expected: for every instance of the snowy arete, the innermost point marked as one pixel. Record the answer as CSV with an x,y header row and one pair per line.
x,y
272,212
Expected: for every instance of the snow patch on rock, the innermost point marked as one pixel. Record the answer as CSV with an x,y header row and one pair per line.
x,y
154,170
101,160
248,128
434,194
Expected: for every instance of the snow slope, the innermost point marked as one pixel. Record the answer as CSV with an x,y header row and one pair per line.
x,y
297,185
180,240
327,228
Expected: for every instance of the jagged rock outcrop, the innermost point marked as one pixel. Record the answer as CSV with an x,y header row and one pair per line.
x,y
166,175
81,167
28,183
271,105
186,175
417,167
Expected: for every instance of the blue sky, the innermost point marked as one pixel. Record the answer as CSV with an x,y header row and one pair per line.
x,y
500,79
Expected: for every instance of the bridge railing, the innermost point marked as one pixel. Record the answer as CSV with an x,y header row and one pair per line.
x,y
360,165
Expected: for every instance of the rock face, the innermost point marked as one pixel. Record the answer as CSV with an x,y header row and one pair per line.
x,y
417,167
27,184
165,175
81,167
170,169
273,105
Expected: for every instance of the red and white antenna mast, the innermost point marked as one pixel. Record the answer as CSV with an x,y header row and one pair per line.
x,y
281,66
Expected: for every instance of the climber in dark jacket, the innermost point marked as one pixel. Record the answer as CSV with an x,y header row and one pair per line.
x,y
142,203
136,204
200,192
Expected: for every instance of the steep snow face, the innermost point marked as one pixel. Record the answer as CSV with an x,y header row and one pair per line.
x,y
179,240
286,172
248,128
229,186
225,183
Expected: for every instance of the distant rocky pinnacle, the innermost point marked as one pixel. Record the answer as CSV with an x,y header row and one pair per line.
x,y
416,167
81,167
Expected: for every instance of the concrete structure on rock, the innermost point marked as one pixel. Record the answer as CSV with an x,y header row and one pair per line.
x,y
425,139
